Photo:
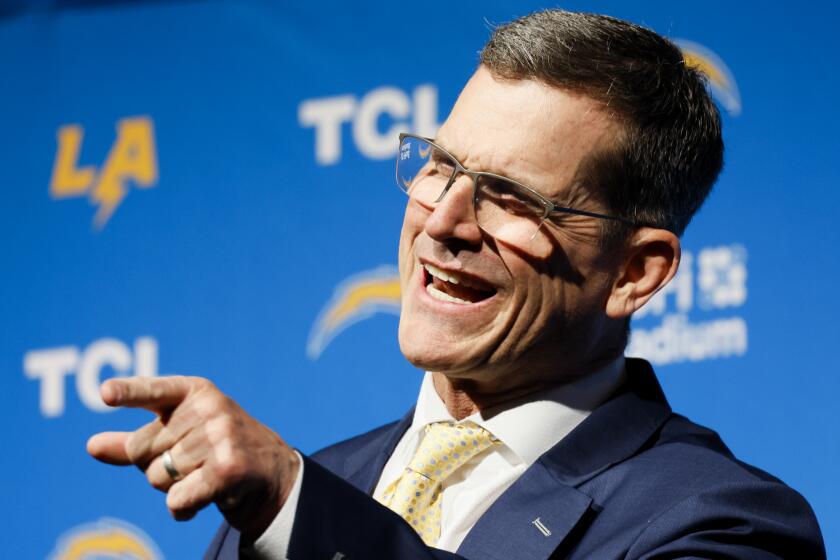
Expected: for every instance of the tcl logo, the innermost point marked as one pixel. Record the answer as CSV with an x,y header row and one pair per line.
x,y
415,112
51,365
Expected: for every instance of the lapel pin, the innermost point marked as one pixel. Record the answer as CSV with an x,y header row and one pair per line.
x,y
541,526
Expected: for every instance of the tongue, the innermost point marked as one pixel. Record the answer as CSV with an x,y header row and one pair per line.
x,y
459,291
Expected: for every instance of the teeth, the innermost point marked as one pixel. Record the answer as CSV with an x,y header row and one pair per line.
x,y
438,273
449,277
437,294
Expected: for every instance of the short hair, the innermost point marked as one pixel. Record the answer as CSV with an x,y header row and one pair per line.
x,y
663,166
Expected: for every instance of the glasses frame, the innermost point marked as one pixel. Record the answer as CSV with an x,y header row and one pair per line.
x,y
549,207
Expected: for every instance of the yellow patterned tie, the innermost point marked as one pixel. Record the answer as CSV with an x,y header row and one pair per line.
x,y
416,494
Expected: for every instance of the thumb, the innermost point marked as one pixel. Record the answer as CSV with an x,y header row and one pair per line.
x,y
109,447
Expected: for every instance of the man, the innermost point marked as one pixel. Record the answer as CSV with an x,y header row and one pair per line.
x,y
545,212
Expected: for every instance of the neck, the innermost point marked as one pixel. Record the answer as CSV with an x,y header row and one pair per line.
x,y
465,396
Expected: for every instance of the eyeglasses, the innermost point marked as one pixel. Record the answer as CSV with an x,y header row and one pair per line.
x,y
505,209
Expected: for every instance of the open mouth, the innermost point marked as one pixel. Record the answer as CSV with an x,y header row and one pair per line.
x,y
453,287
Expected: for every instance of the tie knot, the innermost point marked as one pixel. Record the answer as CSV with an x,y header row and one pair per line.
x,y
446,446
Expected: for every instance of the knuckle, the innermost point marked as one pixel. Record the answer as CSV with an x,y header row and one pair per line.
x,y
200,383
230,470
157,391
157,482
134,448
210,404
176,501
202,407
217,400
222,403
222,429
184,501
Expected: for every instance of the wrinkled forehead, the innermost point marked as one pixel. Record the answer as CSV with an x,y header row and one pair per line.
x,y
525,129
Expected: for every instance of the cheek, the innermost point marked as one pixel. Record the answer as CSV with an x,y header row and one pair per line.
x,y
536,294
415,217
548,292
414,221
411,228
580,301
547,299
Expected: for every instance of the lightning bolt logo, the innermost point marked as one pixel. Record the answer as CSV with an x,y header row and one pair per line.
x,y
721,81
106,538
133,157
355,299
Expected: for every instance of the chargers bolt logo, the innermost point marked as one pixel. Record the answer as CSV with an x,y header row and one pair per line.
x,y
357,298
721,81
106,538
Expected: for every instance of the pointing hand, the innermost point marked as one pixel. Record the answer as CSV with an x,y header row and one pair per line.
x,y
219,454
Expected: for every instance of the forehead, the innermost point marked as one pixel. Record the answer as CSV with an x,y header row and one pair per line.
x,y
524,129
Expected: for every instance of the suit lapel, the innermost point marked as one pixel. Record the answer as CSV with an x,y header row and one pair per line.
x,y
538,512
530,520
364,466
543,508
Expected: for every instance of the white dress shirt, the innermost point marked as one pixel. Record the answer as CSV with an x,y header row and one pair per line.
x,y
526,429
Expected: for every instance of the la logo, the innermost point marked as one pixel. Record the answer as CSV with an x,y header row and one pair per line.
x,y
132,157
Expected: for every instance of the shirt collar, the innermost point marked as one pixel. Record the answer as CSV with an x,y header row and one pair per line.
x,y
534,424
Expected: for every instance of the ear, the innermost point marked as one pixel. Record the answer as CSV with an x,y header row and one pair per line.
x,y
651,259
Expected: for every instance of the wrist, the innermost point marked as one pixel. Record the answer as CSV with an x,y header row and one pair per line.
x,y
267,508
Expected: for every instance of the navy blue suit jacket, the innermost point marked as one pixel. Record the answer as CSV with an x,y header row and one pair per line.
x,y
632,481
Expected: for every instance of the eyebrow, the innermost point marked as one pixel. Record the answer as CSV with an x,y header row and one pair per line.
x,y
461,161
564,199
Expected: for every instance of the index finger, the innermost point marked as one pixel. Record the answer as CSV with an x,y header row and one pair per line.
x,y
157,394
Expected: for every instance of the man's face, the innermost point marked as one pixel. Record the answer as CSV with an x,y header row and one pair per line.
x,y
536,311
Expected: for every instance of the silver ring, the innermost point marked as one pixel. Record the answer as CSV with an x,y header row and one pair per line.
x,y
169,465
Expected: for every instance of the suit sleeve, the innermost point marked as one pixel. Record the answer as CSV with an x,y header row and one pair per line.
x,y
751,521
336,521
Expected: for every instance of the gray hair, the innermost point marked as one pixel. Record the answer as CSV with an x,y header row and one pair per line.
x,y
663,167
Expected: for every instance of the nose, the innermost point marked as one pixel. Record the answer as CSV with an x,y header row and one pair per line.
x,y
454,217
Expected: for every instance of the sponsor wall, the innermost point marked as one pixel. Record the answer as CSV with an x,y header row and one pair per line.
x,y
207,188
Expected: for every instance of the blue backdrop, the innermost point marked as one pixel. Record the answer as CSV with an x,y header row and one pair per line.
x,y
206,188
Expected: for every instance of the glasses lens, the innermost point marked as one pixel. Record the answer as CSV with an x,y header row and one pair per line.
x,y
423,170
507,212
502,208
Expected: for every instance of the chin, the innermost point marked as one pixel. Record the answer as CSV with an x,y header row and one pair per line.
x,y
422,351
425,350
436,351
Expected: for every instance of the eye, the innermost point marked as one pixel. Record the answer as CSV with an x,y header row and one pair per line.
x,y
508,199
442,164
516,206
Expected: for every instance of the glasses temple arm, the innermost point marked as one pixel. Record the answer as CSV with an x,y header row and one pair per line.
x,y
564,210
